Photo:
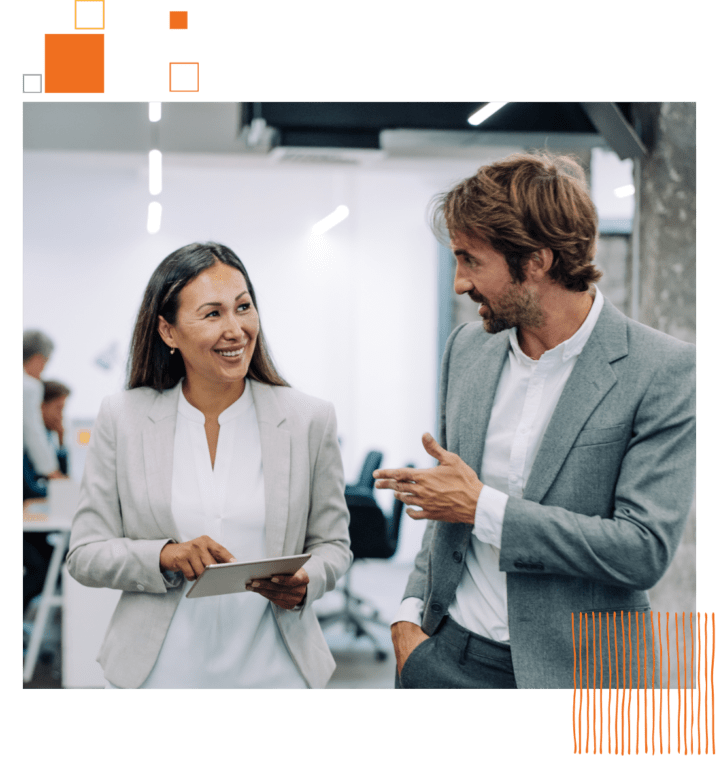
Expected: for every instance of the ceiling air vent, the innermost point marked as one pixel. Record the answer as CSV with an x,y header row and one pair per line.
x,y
325,155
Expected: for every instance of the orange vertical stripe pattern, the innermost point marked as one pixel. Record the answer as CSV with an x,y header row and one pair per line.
x,y
582,661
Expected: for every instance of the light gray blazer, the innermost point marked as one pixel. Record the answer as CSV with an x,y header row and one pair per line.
x,y
124,520
606,501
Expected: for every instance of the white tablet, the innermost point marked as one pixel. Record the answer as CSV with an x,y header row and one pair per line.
x,y
226,578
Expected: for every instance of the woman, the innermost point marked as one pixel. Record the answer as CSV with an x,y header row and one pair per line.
x,y
209,456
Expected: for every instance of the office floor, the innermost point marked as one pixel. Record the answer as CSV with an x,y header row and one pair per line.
x,y
381,582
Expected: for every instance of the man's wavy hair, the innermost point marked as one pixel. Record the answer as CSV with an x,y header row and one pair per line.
x,y
522,204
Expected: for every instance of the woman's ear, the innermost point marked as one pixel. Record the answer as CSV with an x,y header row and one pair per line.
x,y
165,331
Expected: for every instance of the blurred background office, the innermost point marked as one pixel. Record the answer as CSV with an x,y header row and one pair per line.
x,y
326,203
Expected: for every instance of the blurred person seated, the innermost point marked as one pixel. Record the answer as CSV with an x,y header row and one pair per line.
x,y
36,549
36,351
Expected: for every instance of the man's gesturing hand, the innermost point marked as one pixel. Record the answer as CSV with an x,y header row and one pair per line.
x,y
447,492
284,591
192,557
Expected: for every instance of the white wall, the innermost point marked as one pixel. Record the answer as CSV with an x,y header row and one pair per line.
x,y
350,317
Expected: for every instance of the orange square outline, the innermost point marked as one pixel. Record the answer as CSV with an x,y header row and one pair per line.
x,y
103,13
197,63
177,12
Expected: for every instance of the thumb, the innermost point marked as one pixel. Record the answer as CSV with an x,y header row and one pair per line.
x,y
433,448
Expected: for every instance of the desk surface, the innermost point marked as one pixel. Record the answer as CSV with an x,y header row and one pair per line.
x,y
38,514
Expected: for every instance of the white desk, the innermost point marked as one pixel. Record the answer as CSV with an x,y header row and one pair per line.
x,y
86,611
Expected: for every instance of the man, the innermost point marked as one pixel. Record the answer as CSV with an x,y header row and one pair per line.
x,y
55,396
569,431
36,350
36,549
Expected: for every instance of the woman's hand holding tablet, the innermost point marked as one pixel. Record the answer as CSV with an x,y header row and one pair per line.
x,y
192,557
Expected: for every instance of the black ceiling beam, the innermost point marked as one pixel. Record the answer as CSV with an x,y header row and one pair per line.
x,y
616,129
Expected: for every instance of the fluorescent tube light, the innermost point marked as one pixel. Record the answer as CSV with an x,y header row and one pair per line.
x,y
154,214
155,111
339,214
486,111
155,171
626,191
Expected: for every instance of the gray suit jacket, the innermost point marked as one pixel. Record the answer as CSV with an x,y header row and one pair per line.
x,y
124,519
607,498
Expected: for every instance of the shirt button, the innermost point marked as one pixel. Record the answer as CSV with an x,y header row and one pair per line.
x,y
436,607
457,557
140,588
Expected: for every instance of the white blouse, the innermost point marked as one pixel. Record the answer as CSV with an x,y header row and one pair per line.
x,y
225,641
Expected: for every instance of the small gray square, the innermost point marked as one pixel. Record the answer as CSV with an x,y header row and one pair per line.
x,y
32,74
32,83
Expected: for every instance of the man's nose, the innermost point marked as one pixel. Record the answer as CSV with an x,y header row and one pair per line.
x,y
462,284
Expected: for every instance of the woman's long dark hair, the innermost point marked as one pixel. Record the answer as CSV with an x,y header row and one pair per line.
x,y
150,363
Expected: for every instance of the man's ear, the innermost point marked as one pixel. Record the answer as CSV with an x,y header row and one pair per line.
x,y
540,262
165,331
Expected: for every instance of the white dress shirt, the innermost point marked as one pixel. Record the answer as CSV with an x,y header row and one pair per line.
x,y
224,641
34,433
527,394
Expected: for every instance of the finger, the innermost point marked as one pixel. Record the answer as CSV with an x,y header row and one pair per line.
x,y
221,554
395,474
197,564
279,599
187,570
265,585
416,513
433,448
298,579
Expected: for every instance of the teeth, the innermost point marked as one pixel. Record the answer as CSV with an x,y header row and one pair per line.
x,y
237,353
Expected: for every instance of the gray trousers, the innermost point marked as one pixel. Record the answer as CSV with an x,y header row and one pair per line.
x,y
454,657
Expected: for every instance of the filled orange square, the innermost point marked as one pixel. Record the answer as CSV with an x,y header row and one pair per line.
x,y
184,63
178,19
74,63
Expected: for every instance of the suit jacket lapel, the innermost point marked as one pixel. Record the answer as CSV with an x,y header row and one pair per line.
x,y
477,388
589,382
158,444
275,443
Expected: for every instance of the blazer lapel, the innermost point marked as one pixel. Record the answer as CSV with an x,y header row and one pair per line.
x,y
477,388
589,382
158,443
275,444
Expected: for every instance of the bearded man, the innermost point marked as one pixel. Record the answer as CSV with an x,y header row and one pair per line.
x,y
566,449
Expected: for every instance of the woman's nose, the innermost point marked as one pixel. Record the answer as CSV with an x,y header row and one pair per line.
x,y
236,327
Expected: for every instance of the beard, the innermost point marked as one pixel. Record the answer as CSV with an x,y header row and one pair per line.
x,y
515,308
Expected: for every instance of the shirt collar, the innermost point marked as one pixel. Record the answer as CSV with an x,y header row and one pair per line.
x,y
240,406
570,347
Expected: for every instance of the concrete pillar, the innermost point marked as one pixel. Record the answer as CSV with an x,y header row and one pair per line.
x,y
667,272
667,220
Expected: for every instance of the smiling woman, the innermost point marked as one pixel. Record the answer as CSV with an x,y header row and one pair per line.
x,y
209,457
150,364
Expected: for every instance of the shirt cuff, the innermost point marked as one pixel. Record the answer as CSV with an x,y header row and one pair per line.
x,y
411,609
172,579
489,516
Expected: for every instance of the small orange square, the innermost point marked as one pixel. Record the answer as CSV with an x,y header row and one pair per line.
x,y
178,19
185,63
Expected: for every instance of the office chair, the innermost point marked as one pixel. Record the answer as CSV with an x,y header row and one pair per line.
x,y
365,482
372,535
